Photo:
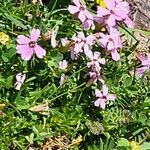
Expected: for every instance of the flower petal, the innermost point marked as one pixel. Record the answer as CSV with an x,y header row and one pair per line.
x,y
21,39
53,39
102,11
98,93
18,85
81,16
141,70
73,9
25,51
103,42
110,4
110,45
111,21
88,53
35,34
115,55
111,97
62,79
39,51
105,90
102,103
77,3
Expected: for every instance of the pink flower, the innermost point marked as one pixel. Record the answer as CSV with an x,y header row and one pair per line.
x,y
63,64
64,41
114,11
20,80
145,61
94,76
129,22
89,23
112,43
62,79
53,38
81,43
86,42
28,46
79,9
103,96
95,60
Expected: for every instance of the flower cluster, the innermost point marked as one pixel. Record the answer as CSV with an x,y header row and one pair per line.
x,y
108,16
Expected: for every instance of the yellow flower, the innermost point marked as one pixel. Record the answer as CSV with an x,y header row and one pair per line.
x,y
101,3
4,38
134,145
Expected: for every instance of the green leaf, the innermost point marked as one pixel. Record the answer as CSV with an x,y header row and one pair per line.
x,y
123,143
145,146
21,103
15,21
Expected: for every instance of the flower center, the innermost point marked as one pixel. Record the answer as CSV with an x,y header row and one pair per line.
x,y
104,97
32,44
112,12
82,8
110,39
94,59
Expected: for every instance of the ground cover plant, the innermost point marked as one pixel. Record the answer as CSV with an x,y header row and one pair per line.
x,y
72,76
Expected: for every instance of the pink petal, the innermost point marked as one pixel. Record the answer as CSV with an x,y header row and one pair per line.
x,y
64,41
99,20
21,39
103,42
111,97
97,66
87,24
25,51
141,70
105,90
112,30
78,48
81,35
97,103
96,55
53,39
18,85
77,3
146,62
111,21
63,64
81,16
89,54
90,39
101,61
86,48
73,55
89,64
73,9
102,11
19,76
141,56
98,93
62,79
129,23
115,55
87,14
110,4
39,51
110,45
35,34
102,103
